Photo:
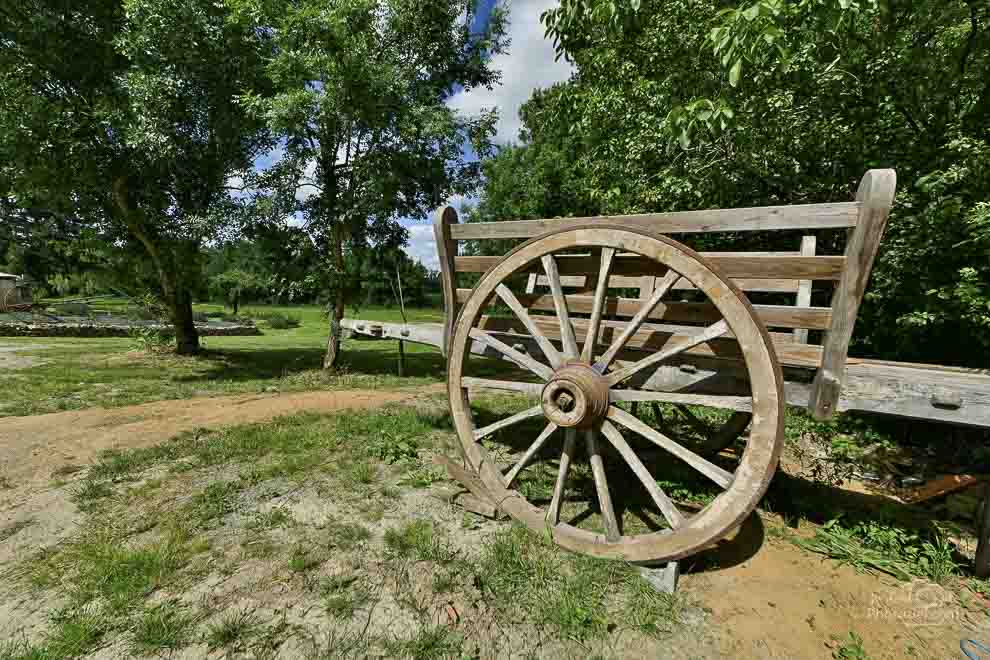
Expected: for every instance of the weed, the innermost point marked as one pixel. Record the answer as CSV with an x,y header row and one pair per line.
x,y
361,472
87,494
428,644
164,627
276,517
232,630
346,536
342,597
279,320
152,340
851,648
215,502
418,540
258,546
444,582
883,546
423,477
303,559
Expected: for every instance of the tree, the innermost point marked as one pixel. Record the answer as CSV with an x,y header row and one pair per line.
x,y
232,286
126,116
360,108
679,105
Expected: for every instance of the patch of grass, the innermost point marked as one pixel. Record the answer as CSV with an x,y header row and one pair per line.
x,y
851,648
579,597
276,517
444,582
216,501
232,631
361,472
304,559
346,535
423,476
259,546
91,491
343,595
430,643
876,545
164,627
419,540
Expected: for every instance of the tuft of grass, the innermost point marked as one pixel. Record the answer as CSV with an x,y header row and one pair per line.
x,y
429,643
276,517
87,495
361,472
343,595
216,501
347,535
419,540
165,627
303,559
876,545
232,631
851,648
73,634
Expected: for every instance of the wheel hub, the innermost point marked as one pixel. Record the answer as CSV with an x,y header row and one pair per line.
x,y
576,396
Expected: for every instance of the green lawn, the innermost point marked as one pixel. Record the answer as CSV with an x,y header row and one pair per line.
x,y
82,373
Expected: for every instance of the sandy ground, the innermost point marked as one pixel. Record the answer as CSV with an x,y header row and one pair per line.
x,y
762,596
33,448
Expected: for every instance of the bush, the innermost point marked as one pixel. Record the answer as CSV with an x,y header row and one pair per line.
x,y
280,321
152,340
201,317
73,309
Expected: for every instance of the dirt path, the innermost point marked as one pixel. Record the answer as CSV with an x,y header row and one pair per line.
x,y
32,448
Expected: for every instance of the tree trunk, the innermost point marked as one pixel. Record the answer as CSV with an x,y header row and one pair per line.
x,y
237,300
186,335
333,343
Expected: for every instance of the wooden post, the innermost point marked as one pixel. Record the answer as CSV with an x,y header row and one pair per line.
x,y
447,252
981,564
875,195
402,358
804,288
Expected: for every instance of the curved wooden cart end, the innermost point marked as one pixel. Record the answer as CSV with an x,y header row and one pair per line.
x,y
447,252
875,195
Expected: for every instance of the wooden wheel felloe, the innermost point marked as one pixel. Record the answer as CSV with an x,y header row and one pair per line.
x,y
582,379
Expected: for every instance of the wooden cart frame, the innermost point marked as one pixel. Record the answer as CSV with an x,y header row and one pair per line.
x,y
584,350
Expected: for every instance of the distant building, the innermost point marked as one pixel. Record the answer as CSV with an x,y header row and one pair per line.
x,y
13,289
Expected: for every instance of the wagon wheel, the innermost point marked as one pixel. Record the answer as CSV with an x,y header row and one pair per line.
x,y
578,392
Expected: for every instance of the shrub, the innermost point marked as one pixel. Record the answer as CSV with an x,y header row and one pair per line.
x,y
280,321
73,309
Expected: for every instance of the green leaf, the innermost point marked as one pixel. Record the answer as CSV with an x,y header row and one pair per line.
x,y
734,73
752,12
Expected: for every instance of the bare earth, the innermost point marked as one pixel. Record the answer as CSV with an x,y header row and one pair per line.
x,y
763,597
34,447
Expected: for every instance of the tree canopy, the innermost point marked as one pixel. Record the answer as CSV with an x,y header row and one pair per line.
x,y
680,105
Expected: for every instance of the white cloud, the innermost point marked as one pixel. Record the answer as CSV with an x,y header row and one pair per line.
x,y
528,64
422,247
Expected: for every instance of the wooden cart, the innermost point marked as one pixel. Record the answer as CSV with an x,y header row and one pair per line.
x,y
610,310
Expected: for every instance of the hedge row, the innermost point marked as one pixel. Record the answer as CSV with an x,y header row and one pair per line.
x,y
107,330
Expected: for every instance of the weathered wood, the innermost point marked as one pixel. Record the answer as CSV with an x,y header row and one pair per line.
x,y
504,385
876,194
713,331
560,306
609,520
521,359
710,470
509,298
645,284
667,508
637,320
468,501
798,216
473,484
528,413
566,456
794,268
445,219
804,288
530,453
948,483
597,305
981,565
780,316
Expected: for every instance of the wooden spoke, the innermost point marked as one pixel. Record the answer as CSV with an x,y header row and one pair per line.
x,y
601,486
566,329
660,498
597,307
742,403
509,298
530,453
713,331
523,360
508,421
566,456
705,467
663,287
506,385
